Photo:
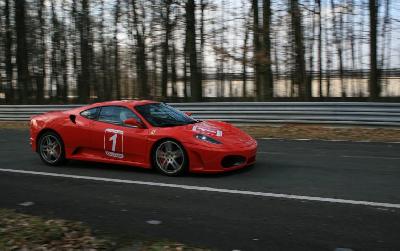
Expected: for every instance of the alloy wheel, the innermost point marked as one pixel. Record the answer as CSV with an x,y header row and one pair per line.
x,y
170,157
50,148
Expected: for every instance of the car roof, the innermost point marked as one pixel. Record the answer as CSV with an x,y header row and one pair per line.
x,y
128,103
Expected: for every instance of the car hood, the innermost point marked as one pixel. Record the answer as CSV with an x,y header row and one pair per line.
x,y
225,133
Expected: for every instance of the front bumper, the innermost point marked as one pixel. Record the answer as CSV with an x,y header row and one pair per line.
x,y
209,160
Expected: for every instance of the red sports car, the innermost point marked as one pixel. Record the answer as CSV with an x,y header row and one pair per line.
x,y
143,134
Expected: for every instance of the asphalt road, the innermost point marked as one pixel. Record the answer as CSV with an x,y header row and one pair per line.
x,y
367,172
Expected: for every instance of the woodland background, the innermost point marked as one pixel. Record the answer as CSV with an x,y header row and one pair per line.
x,y
80,51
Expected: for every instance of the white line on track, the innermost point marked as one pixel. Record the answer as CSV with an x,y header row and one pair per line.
x,y
278,153
368,157
210,189
334,140
330,155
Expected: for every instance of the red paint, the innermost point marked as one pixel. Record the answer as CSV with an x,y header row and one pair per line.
x,y
93,140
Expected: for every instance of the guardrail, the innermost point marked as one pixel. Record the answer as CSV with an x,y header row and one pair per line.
x,y
345,113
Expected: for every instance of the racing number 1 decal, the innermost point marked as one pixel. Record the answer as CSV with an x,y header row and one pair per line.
x,y
114,143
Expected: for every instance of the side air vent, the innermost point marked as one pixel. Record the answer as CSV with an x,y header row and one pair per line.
x,y
72,118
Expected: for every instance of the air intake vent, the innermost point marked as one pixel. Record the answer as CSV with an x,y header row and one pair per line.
x,y
232,161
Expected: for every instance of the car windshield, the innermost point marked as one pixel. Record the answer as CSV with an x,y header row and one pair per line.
x,y
162,115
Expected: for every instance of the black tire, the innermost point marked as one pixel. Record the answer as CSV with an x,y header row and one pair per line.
x,y
181,158
51,152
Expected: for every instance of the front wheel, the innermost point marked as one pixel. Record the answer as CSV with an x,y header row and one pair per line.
x,y
51,149
170,158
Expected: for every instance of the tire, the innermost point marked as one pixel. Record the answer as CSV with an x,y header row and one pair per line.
x,y
169,158
51,149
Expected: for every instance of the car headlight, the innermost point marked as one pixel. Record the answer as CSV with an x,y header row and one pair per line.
x,y
203,137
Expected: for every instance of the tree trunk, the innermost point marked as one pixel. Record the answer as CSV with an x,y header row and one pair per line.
x,y
174,75
386,45
244,60
195,73
311,41
165,49
257,49
318,2
268,88
24,80
8,55
328,63
338,37
116,51
154,73
300,78
185,68
203,6
374,88
85,54
64,57
340,52
106,90
42,55
75,45
350,32
55,56
141,67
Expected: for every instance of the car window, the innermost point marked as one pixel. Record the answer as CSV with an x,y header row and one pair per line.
x,y
116,115
162,115
90,113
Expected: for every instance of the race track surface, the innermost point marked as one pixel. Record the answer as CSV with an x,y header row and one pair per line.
x,y
251,209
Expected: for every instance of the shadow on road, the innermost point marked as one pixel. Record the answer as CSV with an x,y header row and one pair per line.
x,y
132,169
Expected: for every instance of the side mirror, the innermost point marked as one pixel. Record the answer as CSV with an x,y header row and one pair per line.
x,y
188,113
133,122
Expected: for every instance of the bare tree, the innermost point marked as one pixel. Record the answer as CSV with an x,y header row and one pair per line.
x,y
338,41
245,51
300,77
195,73
63,56
140,51
117,13
84,79
136,48
267,81
8,54
319,9
166,18
374,88
257,48
55,56
24,79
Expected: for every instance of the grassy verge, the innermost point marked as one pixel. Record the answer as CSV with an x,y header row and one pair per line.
x,y
13,125
297,131
25,232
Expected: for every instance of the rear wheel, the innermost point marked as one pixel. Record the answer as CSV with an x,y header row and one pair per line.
x,y
51,149
170,158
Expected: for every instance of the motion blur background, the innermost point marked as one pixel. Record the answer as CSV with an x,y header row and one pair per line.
x,y
80,51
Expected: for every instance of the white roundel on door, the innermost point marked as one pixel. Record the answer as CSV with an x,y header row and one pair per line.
x,y
114,143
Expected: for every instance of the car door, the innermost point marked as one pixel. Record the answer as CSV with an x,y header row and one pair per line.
x,y
76,133
113,140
